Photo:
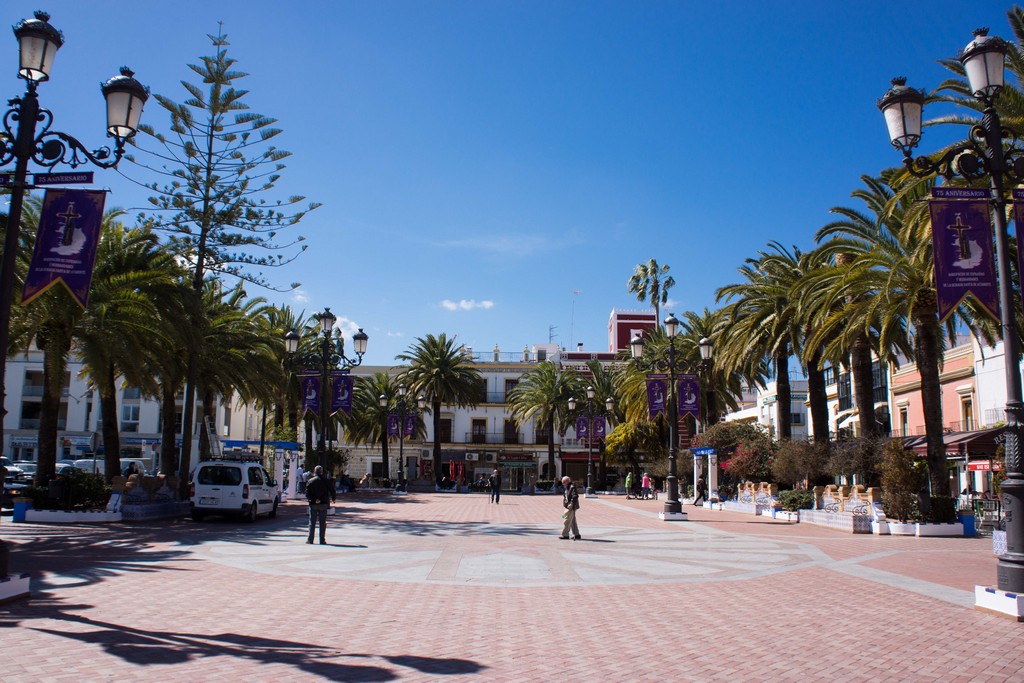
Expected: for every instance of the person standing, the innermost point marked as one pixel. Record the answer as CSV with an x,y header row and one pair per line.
x,y
571,503
320,494
495,482
645,485
629,483
300,479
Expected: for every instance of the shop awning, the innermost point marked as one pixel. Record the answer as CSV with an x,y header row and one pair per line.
x,y
979,443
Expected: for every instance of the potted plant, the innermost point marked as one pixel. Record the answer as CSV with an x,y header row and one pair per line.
x,y
900,482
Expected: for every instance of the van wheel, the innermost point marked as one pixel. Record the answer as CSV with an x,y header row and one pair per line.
x,y
273,511
197,516
253,513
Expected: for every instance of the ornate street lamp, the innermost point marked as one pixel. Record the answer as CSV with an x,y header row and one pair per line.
x,y
330,357
38,42
673,508
402,410
990,150
591,413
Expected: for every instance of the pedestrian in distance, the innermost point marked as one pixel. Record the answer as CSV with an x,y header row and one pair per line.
x,y
300,479
320,494
629,483
700,491
571,503
495,482
645,485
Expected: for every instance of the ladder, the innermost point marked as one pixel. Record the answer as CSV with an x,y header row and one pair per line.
x,y
215,448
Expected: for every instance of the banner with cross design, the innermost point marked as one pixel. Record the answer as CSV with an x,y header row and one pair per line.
x,y
962,248
66,243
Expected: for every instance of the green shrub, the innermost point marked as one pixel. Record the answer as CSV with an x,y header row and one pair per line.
x,y
793,500
544,484
81,491
900,482
943,509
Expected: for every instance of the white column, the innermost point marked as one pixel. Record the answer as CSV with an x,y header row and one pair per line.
x,y
279,471
713,477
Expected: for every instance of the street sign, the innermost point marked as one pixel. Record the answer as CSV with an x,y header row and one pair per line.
x,y
82,178
707,450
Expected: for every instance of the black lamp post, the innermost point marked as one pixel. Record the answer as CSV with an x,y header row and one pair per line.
x,y
402,410
331,356
983,154
591,413
673,506
38,43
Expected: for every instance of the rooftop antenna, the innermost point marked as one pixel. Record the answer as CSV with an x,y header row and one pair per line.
x,y
572,317
551,333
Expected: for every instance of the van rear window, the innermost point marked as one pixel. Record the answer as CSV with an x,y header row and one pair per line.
x,y
220,475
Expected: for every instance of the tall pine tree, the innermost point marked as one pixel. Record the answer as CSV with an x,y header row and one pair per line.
x,y
217,163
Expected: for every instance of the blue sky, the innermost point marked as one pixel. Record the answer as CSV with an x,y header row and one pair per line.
x,y
479,162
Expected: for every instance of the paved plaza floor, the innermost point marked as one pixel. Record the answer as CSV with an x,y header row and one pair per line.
x,y
443,587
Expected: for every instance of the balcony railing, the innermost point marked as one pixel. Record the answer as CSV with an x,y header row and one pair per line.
x,y
33,423
494,437
964,426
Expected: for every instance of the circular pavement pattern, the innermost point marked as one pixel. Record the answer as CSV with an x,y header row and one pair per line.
x,y
512,555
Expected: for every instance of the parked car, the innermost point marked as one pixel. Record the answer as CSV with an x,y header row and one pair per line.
x,y
233,487
99,465
13,472
28,469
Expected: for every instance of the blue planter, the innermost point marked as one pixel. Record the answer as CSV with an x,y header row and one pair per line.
x,y
20,508
968,521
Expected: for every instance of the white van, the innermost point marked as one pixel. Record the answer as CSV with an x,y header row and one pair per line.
x,y
99,465
233,487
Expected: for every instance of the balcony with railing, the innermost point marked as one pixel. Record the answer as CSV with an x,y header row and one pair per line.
x,y
495,438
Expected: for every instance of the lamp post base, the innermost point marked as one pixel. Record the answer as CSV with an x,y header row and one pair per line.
x,y
999,602
673,516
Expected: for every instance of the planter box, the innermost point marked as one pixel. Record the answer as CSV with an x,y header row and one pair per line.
x,y
950,529
968,521
62,517
902,528
880,527
841,521
786,515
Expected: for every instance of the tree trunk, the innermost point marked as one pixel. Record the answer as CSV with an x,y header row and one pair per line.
x,y
818,398
436,417
385,453
784,407
49,412
109,426
168,435
927,354
863,385
551,447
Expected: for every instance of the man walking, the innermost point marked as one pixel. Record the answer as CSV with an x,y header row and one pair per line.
x,y
571,503
495,482
319,491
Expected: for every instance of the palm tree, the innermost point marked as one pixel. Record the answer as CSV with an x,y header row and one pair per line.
x,y
367,423
889,283
763,323
651,282
440,370
542,395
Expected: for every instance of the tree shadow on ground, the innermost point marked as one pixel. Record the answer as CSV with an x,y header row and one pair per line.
x,y
155,648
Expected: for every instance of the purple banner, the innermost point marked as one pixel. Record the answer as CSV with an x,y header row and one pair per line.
x,y
599,428
688,395
65,251
962,248
341,391
657,391
309,385
410,425
582,428
1018,223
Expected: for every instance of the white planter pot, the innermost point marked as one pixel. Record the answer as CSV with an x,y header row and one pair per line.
x,y
953,529
62,517
902,528
880,527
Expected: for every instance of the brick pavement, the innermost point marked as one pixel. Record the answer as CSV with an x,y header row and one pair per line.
x,y
448,587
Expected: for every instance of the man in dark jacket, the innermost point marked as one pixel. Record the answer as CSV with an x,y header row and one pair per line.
x,y
571,503
320,494
495,482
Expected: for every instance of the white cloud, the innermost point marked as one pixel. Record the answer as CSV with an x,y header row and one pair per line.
x,y
394,334
466,304
300,296
509,245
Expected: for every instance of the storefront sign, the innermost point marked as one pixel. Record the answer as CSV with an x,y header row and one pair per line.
x,y
983,466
